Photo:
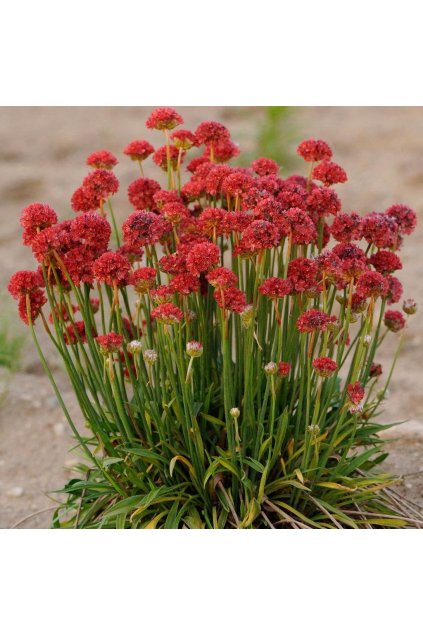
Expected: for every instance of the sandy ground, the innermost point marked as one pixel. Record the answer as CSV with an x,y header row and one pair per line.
x,y
42,154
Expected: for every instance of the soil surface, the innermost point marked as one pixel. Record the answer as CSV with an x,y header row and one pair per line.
x,y
42,156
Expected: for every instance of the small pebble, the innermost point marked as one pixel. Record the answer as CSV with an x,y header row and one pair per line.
x,y
15,492
71,463
59,429
52,402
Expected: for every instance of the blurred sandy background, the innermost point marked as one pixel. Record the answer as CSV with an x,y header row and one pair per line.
x,y
42,155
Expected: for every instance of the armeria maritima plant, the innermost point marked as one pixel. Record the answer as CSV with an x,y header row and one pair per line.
x,y
223,344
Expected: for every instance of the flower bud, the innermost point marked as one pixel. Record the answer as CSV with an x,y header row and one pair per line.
x,y
367,340
247,316
375,370
134,347
409,306
194,349
150,356
234,412
271,368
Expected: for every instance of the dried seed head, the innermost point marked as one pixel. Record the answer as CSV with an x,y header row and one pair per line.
x,y
355,409
150,356
234,412
314,429
134,347
194,349
191,316
271,368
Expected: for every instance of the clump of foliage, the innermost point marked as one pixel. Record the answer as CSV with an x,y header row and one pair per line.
x,y
224,351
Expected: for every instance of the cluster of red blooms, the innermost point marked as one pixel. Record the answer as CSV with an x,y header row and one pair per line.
x,y
259,214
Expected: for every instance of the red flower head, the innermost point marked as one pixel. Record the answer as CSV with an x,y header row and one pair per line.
x,y
355,392
302,273
173,264
167,314
404,216
141,193
75,333
314,320
162,294
202,257
237,183
84,200
261,234
284,368
100,184
292,195
110,342
268,209
143,227
380,230
385,262
174,212
275,288
79,264
358,303
23,282
91,230
160,157
299,224
112,268
162,197
323,201
184,284
164,119
314,150
56,238
138,150
34,218
211,132
264,166
395,289
329,173
347,227
210,221
221,151
353,260
329,264
394,320
102,159
222,278
193,190
195,163
234,221
271,184
325,366
372,284
215,177
36,300
183,139
232,299
143,279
